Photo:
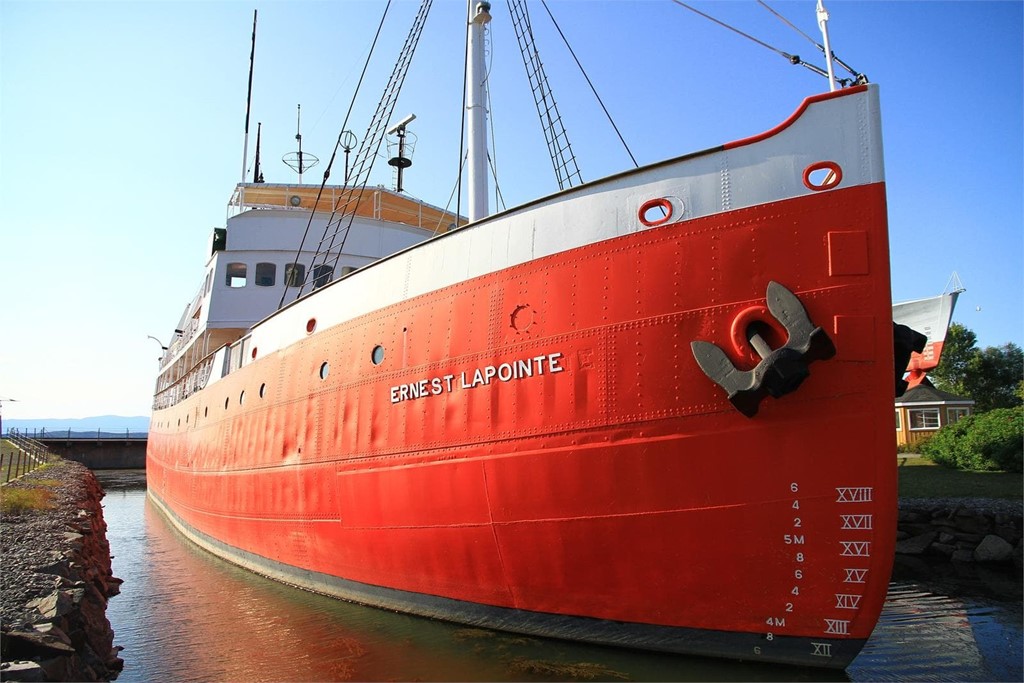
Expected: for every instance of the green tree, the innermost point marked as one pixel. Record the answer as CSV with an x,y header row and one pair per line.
x,y
991,376
956,355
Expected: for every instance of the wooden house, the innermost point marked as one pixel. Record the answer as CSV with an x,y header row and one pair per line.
x,y
923,410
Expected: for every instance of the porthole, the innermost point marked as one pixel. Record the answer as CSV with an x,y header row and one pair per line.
x,y
186,419
310,325
263,389
226,401
241,398
254,353
206,411
179,421
377,356
325,369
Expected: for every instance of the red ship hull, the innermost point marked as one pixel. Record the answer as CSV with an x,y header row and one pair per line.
x,y
538,450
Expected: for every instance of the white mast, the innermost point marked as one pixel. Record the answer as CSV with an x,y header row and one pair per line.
x,y
476,105
823,25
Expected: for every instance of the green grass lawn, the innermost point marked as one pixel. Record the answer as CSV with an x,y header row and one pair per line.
x,y
922,478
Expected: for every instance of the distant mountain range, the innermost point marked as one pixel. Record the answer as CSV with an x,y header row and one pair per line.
x,y
105,423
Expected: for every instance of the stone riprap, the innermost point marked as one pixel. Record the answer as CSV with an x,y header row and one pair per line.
x,y
55,583
961,529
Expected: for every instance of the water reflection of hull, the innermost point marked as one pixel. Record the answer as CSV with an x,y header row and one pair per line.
x,y
939,627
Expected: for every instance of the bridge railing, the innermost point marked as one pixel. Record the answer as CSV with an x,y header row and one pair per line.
x,y
81,434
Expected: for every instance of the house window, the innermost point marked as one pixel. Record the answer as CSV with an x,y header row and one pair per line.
x,y
321,276
235,276
924,418
295,274
956,414
899,421
266,273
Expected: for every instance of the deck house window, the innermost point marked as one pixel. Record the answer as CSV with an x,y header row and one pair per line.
x,y
266,273
235,275
924,418
899,421
321,276
295,274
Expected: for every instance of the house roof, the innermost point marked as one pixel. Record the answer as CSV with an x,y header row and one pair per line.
x,y
925,392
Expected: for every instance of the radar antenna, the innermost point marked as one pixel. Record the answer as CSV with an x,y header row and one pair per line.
x,y
401,159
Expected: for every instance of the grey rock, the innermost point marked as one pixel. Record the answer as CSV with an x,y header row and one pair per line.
x,y
973,523
916,545
993,549
962,555
22,671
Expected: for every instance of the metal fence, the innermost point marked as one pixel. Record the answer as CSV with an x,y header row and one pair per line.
x,y
20,455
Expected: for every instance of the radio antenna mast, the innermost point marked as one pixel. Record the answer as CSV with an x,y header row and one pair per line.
x,y
248,99
299,161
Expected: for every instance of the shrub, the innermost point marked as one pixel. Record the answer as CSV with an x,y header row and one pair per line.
x,y
15,501
988,441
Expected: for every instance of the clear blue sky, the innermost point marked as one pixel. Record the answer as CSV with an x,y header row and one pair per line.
x,y
121,140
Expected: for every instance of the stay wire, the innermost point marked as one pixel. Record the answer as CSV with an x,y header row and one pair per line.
x,y
462,122
592,88
334,154
859,76
792,59
370,148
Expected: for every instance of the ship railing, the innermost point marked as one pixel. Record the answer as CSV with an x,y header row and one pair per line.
x,y
235,355
186,385
377,204
180,340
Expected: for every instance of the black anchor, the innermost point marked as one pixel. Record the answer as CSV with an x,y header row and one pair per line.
x,y
780,371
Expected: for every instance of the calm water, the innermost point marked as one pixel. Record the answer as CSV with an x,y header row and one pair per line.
x,y
185,615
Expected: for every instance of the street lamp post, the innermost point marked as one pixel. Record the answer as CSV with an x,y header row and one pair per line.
x,y
2,402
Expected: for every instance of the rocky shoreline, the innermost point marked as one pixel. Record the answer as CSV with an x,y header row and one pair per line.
x,y
964,530
55,583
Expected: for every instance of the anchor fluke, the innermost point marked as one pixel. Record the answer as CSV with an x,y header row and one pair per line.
x,y
781,371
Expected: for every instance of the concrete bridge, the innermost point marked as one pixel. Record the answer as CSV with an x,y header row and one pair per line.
x,y
98,450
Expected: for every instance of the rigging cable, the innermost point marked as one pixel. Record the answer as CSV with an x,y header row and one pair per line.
x,y
368,151
792,59
859,78
462,121
559,148
493,160
327,170
592,88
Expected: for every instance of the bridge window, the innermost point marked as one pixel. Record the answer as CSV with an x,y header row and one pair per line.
x,y
322,275
266,274
235,276
295,274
